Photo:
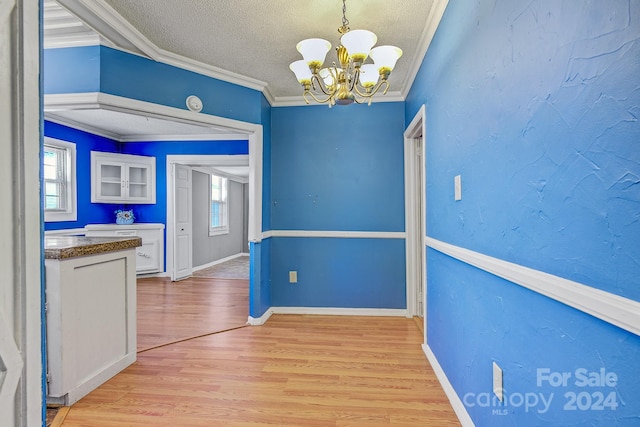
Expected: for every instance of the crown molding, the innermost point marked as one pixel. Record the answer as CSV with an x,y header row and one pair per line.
x,y
116,32
209,70
74,40
428,32
298,101
110,25
105,21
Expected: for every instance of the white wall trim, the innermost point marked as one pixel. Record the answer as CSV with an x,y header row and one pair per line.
x,y
219,261
335,234
257,321
327,311
612,308
454,399
428,32
340,311
114,31
105,21
416,265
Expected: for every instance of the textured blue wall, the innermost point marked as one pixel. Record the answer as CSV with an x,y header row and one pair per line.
x,y
71,70
88,213
106,70
338,169
336,272
158,211
135,77
535,104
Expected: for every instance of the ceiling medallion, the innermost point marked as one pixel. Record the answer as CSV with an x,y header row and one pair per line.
x,y
351,81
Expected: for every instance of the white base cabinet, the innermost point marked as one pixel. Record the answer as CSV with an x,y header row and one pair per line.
x,y
149,256
91,322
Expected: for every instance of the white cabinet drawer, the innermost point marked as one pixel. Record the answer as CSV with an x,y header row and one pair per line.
x,y
149,256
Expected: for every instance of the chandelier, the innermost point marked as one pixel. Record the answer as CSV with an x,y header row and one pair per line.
x,y
352,80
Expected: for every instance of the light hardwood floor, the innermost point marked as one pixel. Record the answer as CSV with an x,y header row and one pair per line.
x,y
172,311
293,371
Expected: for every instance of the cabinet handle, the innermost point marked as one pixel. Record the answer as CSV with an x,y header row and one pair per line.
x,y
142,254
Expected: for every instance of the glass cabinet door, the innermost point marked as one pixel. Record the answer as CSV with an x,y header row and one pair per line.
x,y
138,181
111,182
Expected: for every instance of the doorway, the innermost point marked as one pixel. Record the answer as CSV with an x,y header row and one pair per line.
x,y
415,219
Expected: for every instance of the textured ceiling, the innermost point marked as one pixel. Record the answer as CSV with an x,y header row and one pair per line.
x,y
257,38
250,42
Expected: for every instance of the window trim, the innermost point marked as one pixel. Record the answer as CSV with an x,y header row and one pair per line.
x,y
222,229
71,213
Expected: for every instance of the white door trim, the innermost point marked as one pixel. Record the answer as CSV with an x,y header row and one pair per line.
x,y
21,280
202,161
252,131
415,257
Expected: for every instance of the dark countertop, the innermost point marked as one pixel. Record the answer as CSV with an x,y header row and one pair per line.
x,y
64,247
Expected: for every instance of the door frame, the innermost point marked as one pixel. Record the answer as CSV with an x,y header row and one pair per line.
x,y
415,258
239,130
192,161
21,257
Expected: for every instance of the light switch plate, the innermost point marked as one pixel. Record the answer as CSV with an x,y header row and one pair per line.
x,y
497,381
457,184
293,277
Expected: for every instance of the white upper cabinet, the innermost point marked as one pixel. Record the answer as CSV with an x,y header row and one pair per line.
x,y
122,178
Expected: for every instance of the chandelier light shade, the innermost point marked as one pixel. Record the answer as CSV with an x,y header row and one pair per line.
x,y
314,51
302,71
351,80
385,57
358,43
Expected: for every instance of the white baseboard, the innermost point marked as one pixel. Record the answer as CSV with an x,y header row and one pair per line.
x,y
327,311
257,321
219,261
339,311
456,403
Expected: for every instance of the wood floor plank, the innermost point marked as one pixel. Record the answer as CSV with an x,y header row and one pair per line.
x,y
325,371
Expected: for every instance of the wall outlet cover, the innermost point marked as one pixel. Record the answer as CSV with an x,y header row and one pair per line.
x,y
497,381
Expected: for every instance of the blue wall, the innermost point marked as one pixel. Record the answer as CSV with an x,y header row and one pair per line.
x,y
88,213
535,104
158,211
71,70
338,169
106,70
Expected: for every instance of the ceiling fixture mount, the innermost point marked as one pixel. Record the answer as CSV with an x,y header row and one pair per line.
x,y
352,80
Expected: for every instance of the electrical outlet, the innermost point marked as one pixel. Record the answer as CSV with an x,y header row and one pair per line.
x,y
497,381
293,277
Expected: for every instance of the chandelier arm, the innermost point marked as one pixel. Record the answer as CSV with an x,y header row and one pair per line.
x,y
354,80
376,88
321,85
312,95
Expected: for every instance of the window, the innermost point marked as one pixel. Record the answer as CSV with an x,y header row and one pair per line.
x,y
219,212
59,170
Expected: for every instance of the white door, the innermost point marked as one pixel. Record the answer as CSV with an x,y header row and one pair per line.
x,y
182,248
20,248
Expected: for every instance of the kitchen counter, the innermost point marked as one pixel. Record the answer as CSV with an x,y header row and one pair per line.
x,y
91,312
64,247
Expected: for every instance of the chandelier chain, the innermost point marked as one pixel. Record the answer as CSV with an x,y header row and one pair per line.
x,y
345,22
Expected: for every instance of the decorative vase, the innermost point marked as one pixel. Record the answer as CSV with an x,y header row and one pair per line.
x,y
124,217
